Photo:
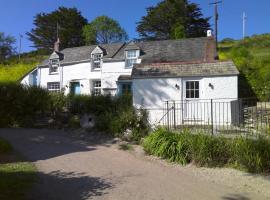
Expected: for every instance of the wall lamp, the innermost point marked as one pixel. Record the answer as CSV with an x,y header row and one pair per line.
x,y
177,86
211,86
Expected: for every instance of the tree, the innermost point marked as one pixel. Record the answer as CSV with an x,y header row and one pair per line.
x,y
6,46
69,23
104,30
173,19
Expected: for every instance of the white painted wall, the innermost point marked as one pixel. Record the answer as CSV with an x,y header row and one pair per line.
x,y
151,94
83,73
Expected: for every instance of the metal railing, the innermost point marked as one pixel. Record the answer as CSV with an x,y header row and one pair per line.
x,y
218,116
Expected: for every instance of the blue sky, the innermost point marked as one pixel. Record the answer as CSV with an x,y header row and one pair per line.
x,y
16,16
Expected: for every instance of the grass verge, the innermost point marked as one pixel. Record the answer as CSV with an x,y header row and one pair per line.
x,y
16,176
242,153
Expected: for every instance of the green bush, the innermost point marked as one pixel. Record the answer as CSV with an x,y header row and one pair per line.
x,y
74,122
20,104
112,114
252,155
5,147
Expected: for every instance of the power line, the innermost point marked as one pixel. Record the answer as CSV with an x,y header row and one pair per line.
x,y
216,19
244,24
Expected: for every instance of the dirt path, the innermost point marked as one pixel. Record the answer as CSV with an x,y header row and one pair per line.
x,y
71,169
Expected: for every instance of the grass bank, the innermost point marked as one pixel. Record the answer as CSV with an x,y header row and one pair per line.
x,y
16,176
241,153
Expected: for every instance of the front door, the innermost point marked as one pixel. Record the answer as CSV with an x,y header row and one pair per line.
x,y
75,88
191,103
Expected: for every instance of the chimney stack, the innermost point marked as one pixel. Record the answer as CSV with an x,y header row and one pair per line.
x,y
57,45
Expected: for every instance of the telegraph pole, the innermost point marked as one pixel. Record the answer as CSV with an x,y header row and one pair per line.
x,y
20,47
244,24
216,19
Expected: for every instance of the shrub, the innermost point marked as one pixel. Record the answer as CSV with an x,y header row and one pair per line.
x,y
19,104
252,155
115,115
74,122
5,147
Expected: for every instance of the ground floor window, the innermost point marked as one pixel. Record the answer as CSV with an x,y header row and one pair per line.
x,y
53,86
97,87
192,89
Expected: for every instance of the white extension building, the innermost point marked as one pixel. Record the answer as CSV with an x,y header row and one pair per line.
x,y
154,71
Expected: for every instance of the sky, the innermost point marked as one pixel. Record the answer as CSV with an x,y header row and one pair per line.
x,y
16,16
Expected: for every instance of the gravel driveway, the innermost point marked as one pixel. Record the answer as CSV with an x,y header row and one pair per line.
x,y
71,169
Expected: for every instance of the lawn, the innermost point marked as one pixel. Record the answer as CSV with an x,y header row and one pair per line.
x,y
16,175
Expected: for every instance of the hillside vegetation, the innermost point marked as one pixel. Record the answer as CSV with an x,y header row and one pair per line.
x,y
252,58
12,70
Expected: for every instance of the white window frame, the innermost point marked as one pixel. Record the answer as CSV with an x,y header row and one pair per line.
x,y
96,61
54,65
131,59
53,86
192,92
97,87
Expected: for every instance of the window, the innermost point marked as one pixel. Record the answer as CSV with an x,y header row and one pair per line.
x,y
96,60
54,64
97,88
131,58
53,86
192,89
126,88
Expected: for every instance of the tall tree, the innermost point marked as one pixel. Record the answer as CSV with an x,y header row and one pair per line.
x,y
69,23
6,46
104,30
173,19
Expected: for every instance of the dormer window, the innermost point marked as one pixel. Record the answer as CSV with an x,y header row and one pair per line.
x,y
96,60
131,58
54,64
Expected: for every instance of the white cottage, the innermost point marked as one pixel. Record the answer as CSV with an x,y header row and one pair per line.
x,y
154,71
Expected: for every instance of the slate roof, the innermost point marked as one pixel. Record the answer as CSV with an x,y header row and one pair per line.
x,y
124,78
191,69
192,49
78,54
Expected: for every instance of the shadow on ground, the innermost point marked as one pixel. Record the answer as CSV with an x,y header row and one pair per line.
x,y
42,144
58,183
235,197
57,186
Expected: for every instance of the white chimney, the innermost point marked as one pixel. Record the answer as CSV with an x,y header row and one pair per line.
x,y
209,33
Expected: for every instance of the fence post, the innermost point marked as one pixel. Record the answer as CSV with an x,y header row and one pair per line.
x,y
174,115
212,123
167,111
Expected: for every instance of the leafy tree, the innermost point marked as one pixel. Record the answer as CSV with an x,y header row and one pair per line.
x,y
6,46
104,30
173,19
70,23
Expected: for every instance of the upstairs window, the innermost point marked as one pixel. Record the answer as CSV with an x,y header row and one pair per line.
x,y
96,60
97,88
131,58
54,64
192,90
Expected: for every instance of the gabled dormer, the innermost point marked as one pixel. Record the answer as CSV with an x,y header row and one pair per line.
x,y
55,58
97,57
132,53
54,63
